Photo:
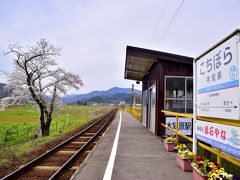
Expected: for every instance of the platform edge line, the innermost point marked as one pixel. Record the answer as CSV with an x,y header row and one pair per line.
x,y
109,168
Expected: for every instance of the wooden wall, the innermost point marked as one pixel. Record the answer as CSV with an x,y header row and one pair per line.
x,y
157,75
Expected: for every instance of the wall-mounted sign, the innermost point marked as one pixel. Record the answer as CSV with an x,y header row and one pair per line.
x,y
225,137
184,124
217,80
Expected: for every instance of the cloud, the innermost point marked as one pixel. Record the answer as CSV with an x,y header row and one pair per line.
x,y
93,34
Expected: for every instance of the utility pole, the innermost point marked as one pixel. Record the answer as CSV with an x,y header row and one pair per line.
x,y
132,94
133,97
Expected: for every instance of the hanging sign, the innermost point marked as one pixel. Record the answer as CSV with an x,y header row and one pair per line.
x,y
217,81
225,137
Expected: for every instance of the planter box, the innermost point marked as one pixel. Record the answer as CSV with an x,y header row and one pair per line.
x,y
197,175
184,163
169,146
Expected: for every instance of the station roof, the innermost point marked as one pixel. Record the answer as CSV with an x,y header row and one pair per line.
x,y
139,61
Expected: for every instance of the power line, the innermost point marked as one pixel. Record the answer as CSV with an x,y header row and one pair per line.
x,y
170,23
159,20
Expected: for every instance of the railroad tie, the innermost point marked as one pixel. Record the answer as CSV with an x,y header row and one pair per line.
x,y
67,152
84,137
74,167
53,168
89,134
77,142
48,168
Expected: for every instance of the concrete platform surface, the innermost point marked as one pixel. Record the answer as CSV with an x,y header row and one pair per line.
x,y
140,155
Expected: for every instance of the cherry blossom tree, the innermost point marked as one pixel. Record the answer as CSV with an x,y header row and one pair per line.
x,y
36,78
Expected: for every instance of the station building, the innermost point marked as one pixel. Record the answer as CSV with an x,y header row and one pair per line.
x,y
167,84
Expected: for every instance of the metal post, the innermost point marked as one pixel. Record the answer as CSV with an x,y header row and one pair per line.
x,y
194,107
219,159
134,100
177,129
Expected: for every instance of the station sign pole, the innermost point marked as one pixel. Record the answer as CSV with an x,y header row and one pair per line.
x,y
194,108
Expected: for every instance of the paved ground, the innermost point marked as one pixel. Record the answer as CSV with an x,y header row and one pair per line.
x,y
140,155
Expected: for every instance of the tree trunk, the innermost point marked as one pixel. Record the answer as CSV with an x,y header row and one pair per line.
x,y
45,127
45,130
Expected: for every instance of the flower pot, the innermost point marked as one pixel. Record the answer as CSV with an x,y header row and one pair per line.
x,y
169,146
184,163
197,175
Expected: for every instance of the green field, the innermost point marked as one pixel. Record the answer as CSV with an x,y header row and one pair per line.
x,y
18,126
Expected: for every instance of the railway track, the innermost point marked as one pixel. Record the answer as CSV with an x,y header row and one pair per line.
x,y
63,160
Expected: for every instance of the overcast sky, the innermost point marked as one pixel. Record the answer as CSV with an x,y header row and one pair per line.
x,y
94,34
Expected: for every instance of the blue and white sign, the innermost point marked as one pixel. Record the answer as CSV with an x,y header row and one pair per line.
x,y
217,81
225,137
184,125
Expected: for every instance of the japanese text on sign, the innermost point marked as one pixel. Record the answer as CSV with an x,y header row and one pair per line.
x,y
212,64
225,137
217,80
184,125
216,132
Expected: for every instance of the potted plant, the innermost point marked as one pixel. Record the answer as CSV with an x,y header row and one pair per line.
x,y
184,157
205,169
220,174
180,147
169,142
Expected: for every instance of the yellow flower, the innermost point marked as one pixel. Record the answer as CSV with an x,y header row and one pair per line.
x,y
190,154
213,175
222,169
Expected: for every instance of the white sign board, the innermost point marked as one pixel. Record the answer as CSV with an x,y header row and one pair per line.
x,y
225,137
217,79
184,125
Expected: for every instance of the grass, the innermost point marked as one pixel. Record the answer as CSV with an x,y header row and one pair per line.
x,y
14,133
18,126
19,114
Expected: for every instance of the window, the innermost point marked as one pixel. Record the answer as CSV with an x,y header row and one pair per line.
x,y
179,94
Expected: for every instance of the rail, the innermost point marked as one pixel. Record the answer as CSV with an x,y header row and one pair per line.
x,y
29,165
65,165
136,112
212,150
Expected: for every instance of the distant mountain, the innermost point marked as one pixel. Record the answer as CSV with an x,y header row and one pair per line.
x,y
4,92
112,99
112,95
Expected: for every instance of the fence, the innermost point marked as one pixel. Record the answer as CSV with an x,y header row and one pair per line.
x,y
212,150
21,133
136,112
12,134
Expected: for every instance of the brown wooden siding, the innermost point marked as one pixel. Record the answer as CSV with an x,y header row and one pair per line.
x,y
157,75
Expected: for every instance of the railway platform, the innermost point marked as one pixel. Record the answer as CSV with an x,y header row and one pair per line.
x,y
135,154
